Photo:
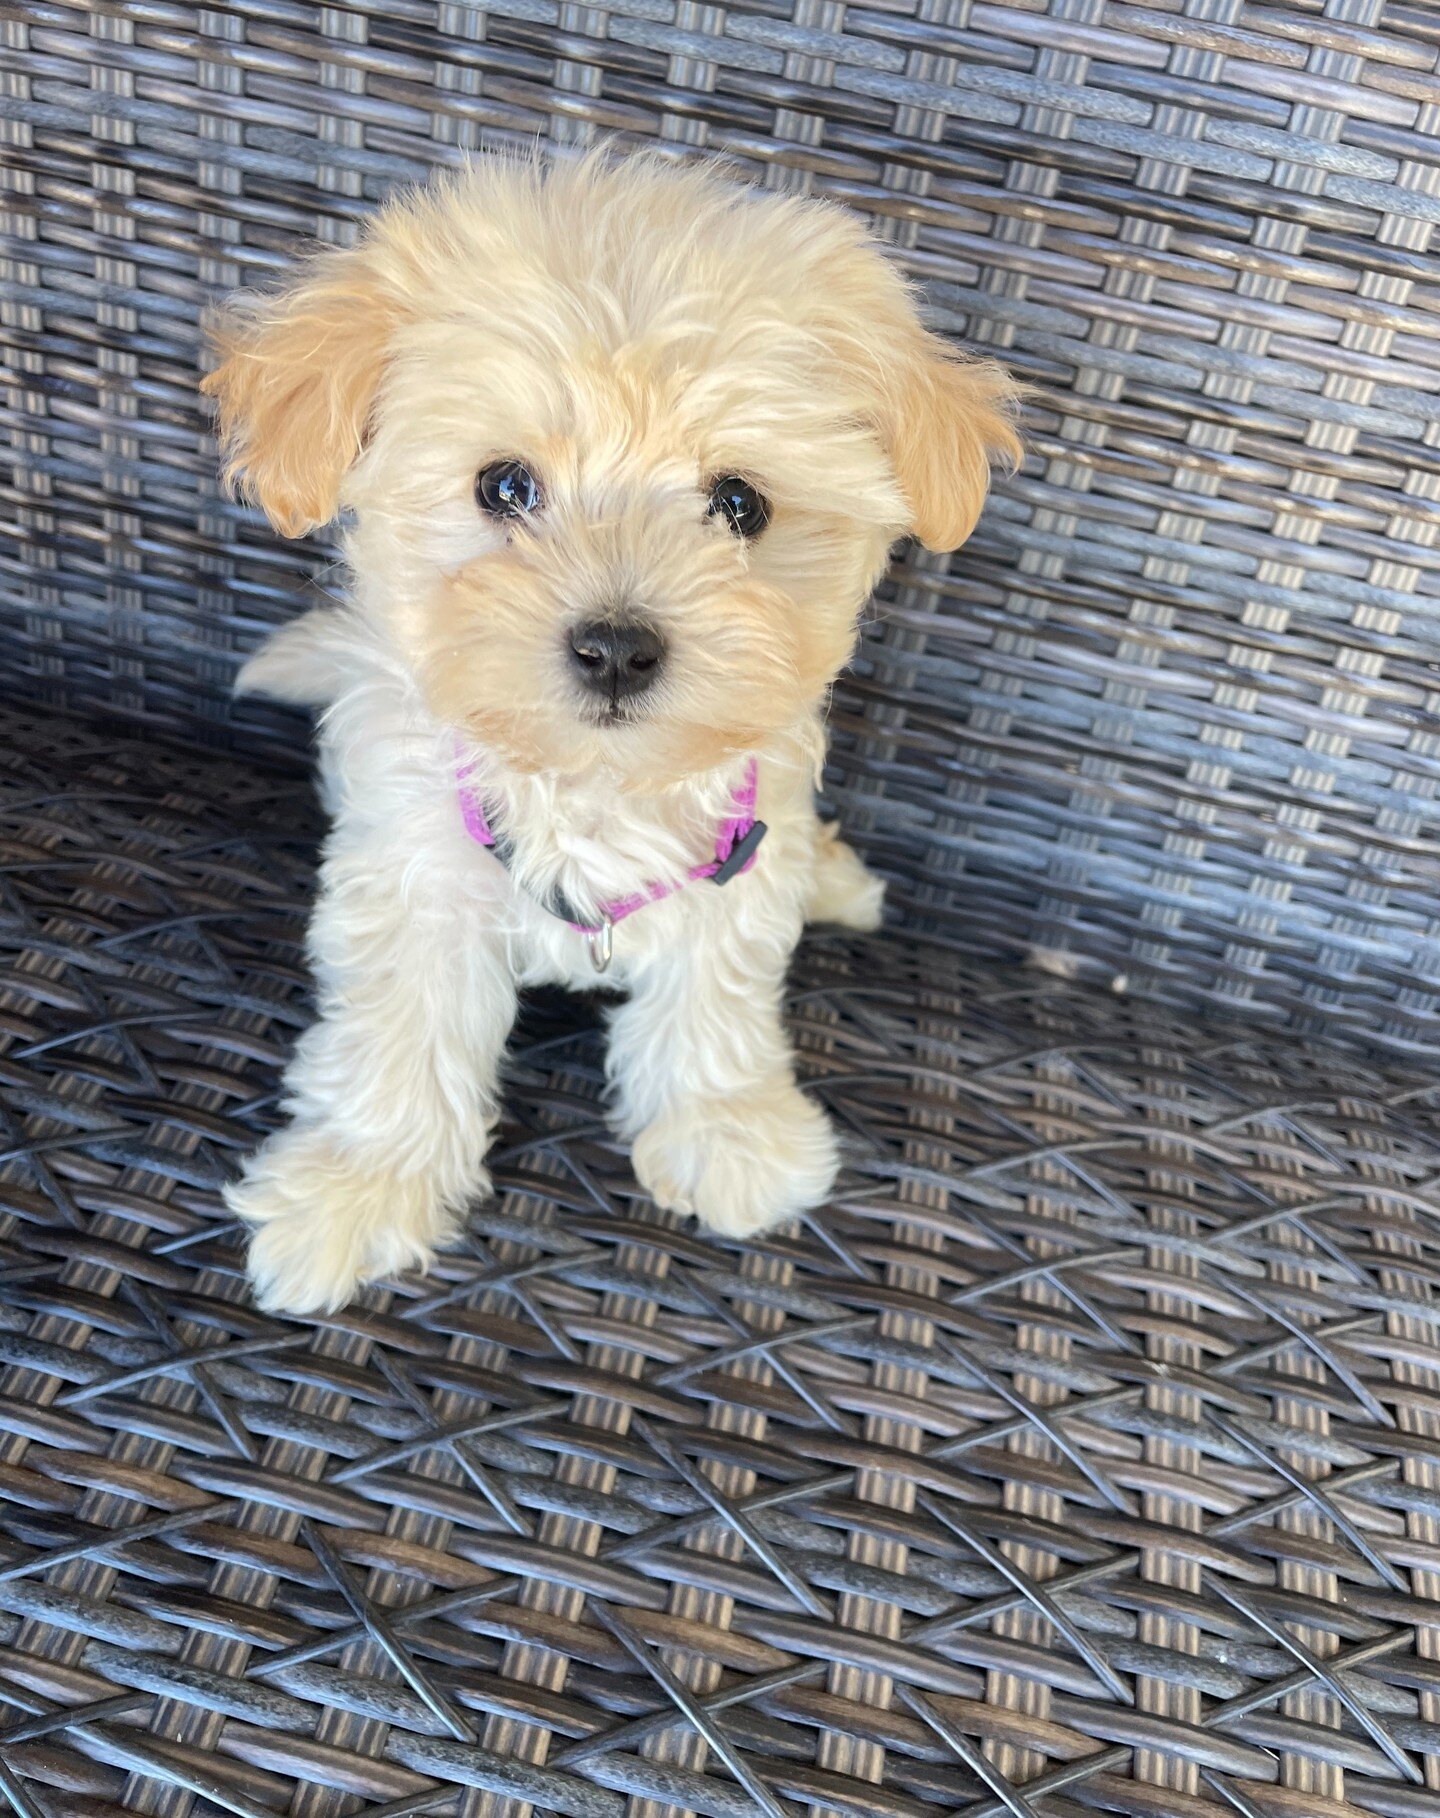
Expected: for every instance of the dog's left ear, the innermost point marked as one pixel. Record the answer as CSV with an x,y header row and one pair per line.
x,y
298,371
947,421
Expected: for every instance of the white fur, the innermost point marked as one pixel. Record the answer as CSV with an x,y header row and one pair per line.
x,y
842,891
421,939
633,331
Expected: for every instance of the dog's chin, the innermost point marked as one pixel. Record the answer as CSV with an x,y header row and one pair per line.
x,y
625,743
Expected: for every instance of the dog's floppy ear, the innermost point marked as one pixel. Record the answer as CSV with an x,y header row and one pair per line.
x,y
298,370
947,420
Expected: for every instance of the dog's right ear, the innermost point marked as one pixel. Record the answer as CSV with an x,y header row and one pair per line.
x,y
297,374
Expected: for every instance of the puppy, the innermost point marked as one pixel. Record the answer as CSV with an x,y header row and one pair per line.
x,y
622,449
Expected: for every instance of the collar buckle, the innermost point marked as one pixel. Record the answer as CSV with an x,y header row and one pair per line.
x,y
740,854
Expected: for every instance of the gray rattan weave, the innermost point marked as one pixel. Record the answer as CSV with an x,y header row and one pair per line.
x,y
1173,709
1089,1441
1084,1456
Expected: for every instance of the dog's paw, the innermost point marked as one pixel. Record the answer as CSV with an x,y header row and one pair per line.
x,y
842,890
324,1224
740,1164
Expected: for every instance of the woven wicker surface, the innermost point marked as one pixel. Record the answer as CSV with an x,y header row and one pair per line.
x,y
1175,706
1089,1442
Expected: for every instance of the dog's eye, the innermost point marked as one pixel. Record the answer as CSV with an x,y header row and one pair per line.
x,y
507,489
746,511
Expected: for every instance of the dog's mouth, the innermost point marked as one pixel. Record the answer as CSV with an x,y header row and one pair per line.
x,y
613,715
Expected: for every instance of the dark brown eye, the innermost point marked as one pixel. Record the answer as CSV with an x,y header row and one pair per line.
x,y
746,511
507,489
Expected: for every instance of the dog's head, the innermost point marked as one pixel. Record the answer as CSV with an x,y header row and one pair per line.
x,y
626,446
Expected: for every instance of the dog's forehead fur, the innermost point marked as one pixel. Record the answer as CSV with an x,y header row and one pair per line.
x,y
618,305
619,252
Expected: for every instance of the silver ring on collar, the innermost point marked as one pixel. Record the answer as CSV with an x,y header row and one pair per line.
x,y
602,944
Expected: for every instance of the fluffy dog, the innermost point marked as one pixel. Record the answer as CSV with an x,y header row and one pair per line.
x,y
623,448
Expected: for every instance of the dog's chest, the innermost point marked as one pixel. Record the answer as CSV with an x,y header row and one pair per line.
x,y
598,885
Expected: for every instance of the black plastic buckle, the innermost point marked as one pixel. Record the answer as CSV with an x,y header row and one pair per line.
x,y
740,854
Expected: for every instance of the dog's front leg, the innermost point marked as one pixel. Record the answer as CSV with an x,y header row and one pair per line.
x,y
704,1081
391,1093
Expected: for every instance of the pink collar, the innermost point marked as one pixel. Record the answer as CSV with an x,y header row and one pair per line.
x,y
737,840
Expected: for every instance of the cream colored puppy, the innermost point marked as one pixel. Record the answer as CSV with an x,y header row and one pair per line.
x,y
623,448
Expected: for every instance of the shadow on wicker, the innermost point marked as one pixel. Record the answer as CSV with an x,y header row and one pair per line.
x,y
1083,1456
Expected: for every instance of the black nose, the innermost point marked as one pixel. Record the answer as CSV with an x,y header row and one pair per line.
x,y
617,658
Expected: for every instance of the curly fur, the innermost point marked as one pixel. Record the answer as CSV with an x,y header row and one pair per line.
x,y
629,328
